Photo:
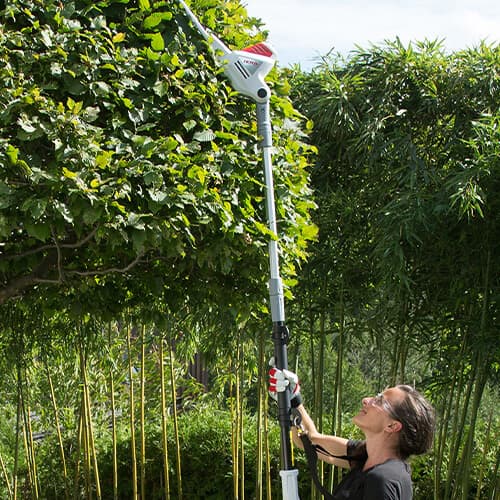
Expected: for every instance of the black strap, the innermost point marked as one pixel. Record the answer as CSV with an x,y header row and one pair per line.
x,y
311,452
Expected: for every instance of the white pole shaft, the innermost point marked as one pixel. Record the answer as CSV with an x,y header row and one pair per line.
x,y
275,283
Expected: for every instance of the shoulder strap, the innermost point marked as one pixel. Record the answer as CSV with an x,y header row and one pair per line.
x,y
312,460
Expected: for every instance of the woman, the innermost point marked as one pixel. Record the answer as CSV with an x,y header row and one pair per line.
x,y
397,423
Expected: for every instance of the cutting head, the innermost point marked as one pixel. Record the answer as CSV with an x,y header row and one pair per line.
x,y
246,68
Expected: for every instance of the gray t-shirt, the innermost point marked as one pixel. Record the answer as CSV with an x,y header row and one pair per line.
x,y
390,480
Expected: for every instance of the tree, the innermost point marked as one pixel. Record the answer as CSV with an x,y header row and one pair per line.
x,y
128,163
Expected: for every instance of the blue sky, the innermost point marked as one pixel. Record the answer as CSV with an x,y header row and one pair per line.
x,y
303,30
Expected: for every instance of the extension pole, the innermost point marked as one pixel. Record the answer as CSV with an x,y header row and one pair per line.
x,y
246,70
280,332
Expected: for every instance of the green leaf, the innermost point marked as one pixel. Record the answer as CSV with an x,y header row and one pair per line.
x,y
204,136
35,207
189,124
69,174
12,153
155,19
119,37
157,42
39,231
63,210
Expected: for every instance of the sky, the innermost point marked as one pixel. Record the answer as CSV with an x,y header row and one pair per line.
x,y
301,31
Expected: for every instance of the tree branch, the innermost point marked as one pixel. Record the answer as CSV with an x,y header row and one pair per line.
x,y
23,282
43,248
98,272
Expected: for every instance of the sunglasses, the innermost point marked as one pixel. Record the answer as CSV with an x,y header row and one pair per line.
x,y
384,404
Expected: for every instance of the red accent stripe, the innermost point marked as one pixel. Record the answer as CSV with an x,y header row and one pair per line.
x,y
261,49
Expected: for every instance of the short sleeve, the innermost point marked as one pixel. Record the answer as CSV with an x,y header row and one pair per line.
x,y
356,453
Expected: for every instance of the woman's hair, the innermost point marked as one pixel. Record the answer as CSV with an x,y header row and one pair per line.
x,y
418,422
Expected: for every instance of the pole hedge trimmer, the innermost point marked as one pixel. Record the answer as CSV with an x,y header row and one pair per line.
x,y
246,70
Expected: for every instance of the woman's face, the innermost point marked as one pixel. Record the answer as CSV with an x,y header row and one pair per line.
x,y
377,412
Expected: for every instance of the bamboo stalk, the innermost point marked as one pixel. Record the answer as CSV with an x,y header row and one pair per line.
x,y
234,438
173,386
166,477
6,476
113,422
86,447
28,442
458,431
337,413
28,459
79,441
31,450
267,451
58,430
318,408
466,462
484,455
236,426
495,488
18,426
89,427
132,417
241,427
142,406
261,384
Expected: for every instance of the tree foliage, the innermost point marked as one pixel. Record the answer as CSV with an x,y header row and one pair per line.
x,y
129,164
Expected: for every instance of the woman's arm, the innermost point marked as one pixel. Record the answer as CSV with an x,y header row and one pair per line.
x,y
332,444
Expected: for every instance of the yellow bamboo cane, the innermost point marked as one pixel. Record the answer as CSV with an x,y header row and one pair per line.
x,y
6,476
143,403
176,421
166,477
113,421
89,427
132,417
58,430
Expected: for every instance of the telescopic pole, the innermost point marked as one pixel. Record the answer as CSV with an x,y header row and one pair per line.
x,y
246,70
280,332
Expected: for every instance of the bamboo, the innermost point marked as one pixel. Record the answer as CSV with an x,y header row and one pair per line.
x,y
241,426
79,440
460,422
337,413
484,455
495,488
16,450
267,451
173,386
6,477
466,462
28,459
234,454
318,407
166,477
31,450
113,421
135,493
261,385
28,442
58,430
142,407
86,447
89,426
446,417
